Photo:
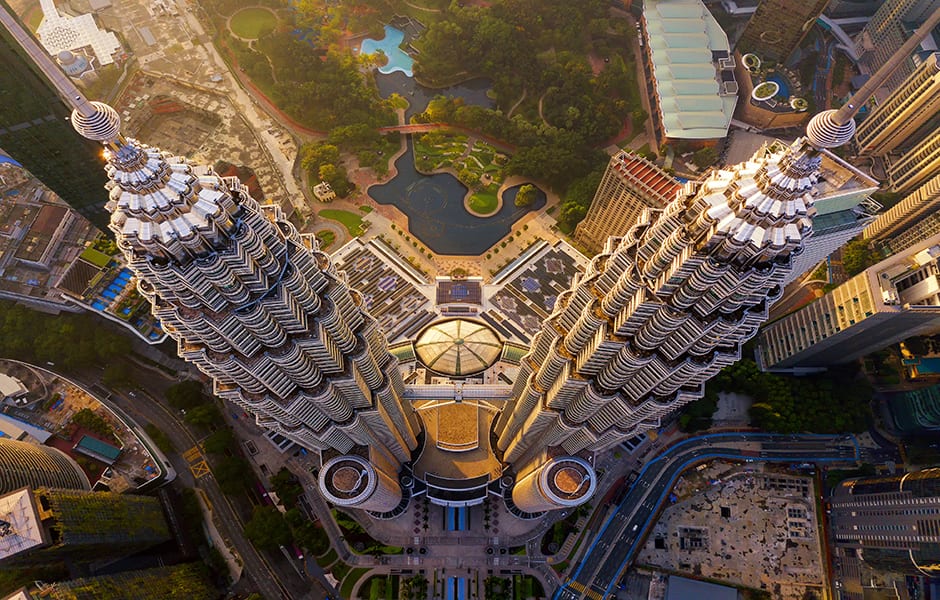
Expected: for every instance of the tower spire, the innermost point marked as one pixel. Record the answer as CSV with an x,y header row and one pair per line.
x,y
833,128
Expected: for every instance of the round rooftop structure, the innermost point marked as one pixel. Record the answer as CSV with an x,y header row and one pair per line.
x,y
458,347
347,480
568,481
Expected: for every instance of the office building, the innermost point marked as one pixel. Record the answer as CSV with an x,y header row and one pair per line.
x,y
630,184
777,27
893,300
25,464
893,521
34,130
887,31
899,121
915,208
47,525
844,208
264,313
916,166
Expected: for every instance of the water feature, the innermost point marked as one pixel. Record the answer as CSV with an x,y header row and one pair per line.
x,y
782,81
398,61
473,91
436,214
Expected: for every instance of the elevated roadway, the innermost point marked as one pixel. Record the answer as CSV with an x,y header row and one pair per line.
x,y
618,541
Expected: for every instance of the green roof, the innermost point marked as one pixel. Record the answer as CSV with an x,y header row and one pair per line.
x,y
188,581
99,259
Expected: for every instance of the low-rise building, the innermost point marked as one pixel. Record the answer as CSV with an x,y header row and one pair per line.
x,y
324,192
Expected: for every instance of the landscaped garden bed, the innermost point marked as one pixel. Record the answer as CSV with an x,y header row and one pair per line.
x,y
765,91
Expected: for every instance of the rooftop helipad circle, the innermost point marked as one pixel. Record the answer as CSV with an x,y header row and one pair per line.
x,y
458,347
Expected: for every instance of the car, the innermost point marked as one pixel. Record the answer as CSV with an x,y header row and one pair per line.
x,y
635,527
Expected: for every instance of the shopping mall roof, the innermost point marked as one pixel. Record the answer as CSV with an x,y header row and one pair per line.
x,y
687,51
458,347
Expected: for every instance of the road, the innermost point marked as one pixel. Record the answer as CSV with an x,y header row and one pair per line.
x,y
619,538
264,577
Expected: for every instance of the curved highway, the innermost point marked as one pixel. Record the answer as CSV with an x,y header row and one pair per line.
x,y
615,545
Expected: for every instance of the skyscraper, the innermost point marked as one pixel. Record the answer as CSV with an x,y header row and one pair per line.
x,y
46,525
887,31
258,308
888,302
34,130
262,311
23,464
630,184
913,209
917,165
255,306
895,122
894,521
777,27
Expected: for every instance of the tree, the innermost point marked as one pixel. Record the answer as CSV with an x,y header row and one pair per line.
x,y
219,442
857,256
267,529
468,178
230,474
526,195
185,395
288,489
116,374
314,156
705,157
206,416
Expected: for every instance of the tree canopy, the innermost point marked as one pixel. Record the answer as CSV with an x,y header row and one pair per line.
x,y
837,402
74,341
267,528
857,256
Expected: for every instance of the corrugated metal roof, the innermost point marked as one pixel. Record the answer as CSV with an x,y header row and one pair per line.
x,y
682,35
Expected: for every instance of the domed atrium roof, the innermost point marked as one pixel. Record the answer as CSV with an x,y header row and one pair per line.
x,y
458,347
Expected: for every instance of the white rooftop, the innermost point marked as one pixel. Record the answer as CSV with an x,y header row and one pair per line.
x,y
20,529
682,35
59,32
11,386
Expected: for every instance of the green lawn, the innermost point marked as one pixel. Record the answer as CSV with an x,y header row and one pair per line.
x,y
485,201
326,238
351,221
253,22
345,590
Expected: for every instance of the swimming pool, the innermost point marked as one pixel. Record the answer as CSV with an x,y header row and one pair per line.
x,y
98,305
397,59
928,366
782,82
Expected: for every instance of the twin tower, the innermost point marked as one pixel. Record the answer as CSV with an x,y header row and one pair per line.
x,y
263,312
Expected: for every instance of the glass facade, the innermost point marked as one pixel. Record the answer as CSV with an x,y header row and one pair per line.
x,y
35,131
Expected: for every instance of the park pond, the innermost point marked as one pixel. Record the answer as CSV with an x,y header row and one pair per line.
x,y
473,91
436,214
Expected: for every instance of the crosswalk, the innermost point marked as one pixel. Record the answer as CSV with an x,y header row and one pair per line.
x,y
585,591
